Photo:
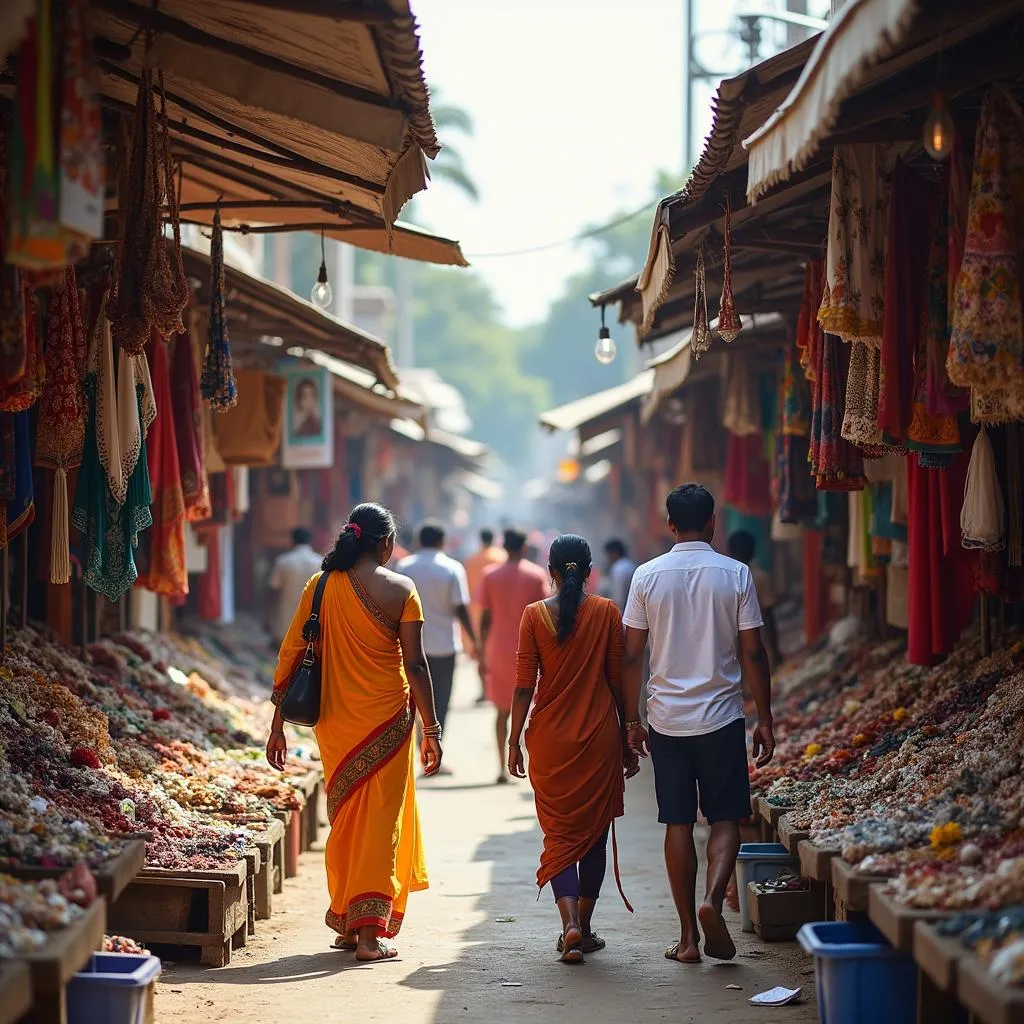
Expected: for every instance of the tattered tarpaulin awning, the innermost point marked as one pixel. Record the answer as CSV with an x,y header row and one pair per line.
x,y
676,367
258,308
575,415
293,113
863,32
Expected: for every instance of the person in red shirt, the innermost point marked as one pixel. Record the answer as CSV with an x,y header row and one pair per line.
x,y
505,592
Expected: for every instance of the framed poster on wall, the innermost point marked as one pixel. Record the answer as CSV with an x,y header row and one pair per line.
x,y
307,441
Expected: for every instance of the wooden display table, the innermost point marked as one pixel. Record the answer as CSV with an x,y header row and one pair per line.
x,y
112,877
790,837
270,880
770,815
208,909
816,861
851,889
938,956
895,920
15,990
292,821
64,955
988,1001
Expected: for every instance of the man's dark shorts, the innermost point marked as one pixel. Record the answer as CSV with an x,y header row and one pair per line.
x,y
715,765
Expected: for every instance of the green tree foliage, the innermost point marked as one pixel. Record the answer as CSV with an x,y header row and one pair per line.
x,y
564,344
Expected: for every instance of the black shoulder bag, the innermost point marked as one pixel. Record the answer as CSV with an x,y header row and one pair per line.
x,y
301,704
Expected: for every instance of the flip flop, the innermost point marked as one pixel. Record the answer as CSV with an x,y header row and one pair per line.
x,y
672,953
572,948
592,943
340,943
384,952
717,940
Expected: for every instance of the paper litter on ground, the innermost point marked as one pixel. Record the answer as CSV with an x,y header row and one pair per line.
x,y
778,996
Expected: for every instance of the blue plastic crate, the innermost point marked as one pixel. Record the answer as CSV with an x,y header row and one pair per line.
x,y
859,976
112,989
760,862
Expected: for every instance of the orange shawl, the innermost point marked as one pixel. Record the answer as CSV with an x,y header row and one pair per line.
x,y
574,737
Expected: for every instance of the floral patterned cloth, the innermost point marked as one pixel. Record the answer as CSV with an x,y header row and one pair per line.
x,y
986,349
853,301
22,391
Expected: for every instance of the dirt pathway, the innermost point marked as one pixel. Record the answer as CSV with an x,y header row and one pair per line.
x,y
460,961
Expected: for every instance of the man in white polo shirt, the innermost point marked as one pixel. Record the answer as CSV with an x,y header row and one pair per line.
x,y
699,611
444,593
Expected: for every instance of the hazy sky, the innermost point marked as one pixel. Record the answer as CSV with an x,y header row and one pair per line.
x,y
577,103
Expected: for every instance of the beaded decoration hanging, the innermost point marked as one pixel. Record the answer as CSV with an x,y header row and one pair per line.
x,y
152,290
729,323
700,339
218,383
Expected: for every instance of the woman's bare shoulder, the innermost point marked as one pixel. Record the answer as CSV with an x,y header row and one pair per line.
x,y
395,581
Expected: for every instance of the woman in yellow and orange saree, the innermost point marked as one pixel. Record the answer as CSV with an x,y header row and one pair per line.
x,y
375,678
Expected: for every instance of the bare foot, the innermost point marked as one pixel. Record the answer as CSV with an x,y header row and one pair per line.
x,y
717,940
376,951
683,953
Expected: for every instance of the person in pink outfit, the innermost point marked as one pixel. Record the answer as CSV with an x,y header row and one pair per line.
x,y
505,593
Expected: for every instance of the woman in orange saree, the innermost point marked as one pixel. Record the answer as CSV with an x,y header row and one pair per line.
x,y
375,678
575,739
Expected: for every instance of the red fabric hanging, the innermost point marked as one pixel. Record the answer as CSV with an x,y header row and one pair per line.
x,y
748,476
942,584
208,587
815,594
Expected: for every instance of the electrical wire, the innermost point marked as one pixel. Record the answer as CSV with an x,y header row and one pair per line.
x,y
581,236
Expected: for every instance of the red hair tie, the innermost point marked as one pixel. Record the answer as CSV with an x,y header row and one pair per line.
x,y
354,528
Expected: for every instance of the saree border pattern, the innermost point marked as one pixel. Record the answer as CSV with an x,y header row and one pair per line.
x,y
368,758
370,605
370,908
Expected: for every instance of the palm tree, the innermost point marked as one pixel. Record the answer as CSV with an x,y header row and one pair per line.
x,y
450,165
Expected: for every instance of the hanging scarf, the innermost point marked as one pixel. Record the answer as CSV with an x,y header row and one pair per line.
x,y
188,425
109,525
22,392
16,488
742,413
860,414
218,378
152,290
853,301
983,518
986,349
60,432
837,465
808,333
165,571
794,486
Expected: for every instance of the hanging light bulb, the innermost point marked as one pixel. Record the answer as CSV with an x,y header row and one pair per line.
x,y
605,350
322,294
939,129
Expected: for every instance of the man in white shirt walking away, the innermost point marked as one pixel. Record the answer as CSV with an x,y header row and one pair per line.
x,y
288,579
444,592
700,613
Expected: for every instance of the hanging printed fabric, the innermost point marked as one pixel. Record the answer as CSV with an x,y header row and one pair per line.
x,y
60,431
853,301
729,323
21,391
188,424
986,349
82,167
218,380
152,290
700,338
36,240
16,486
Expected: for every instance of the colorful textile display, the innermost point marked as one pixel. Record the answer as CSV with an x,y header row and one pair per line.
x,y
60,430
152,290
219,386
986,350
188,424
748,477
22,390
248,434
165,572
13,325
16,485
853,301
795,492
911,215
863,384
836,464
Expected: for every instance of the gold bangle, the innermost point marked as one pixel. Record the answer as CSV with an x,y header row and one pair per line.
x,y
633,725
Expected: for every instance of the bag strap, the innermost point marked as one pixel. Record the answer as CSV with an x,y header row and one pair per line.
x,y
311,630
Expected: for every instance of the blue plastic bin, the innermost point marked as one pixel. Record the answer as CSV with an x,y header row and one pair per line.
x,y
760,862
112,989
859,976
